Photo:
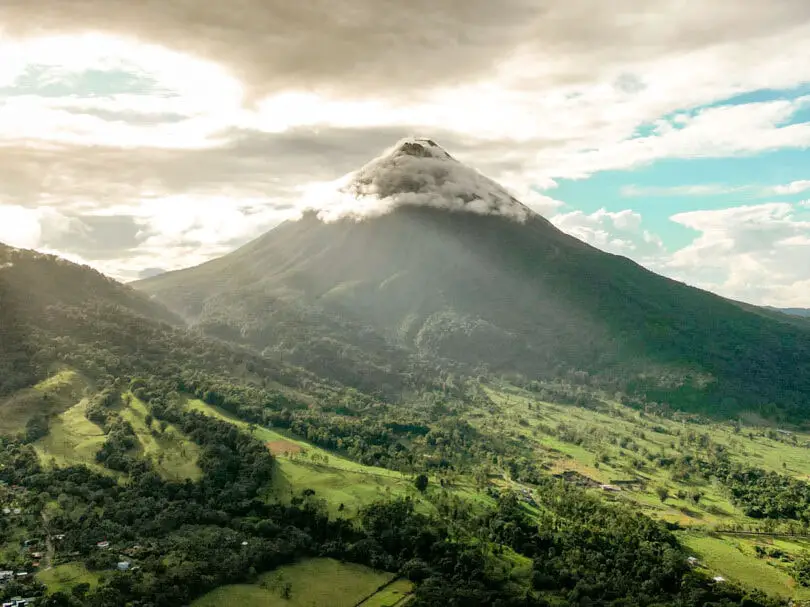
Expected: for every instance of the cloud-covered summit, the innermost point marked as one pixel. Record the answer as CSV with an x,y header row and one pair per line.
x,y
416,171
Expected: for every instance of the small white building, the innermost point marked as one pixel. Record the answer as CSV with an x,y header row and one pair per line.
x,y
103,545
124,566
719,578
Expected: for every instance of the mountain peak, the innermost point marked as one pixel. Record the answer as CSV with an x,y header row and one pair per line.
x,y
419,147
416,171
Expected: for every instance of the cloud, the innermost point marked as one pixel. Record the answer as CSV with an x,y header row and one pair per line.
x,y
756,253
367,45
33,228
794,187
414,172
618,232
722,131
715,189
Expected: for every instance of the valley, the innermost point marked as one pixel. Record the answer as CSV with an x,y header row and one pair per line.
x,y
598,446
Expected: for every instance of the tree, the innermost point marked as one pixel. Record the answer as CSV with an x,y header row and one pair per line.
x,y
696,496
662,493
421,482
80,590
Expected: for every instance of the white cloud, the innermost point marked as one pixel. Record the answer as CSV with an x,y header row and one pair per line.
x,y
755,253
204,97
722,131
28,228
19,227
414,172
716,189
794,187
617,232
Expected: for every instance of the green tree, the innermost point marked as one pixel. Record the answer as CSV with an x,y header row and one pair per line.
x,y
421,482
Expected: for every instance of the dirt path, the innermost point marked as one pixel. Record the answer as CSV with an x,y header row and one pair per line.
x,y
401,601
47,562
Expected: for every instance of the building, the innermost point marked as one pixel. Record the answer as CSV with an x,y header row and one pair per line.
x,y
123,566
693,561
103,545
612,488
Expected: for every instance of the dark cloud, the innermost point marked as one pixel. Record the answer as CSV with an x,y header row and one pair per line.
x,y
367,46
246,163
318,43
95,237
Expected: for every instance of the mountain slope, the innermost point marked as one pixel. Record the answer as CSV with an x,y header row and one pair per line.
x,y
55,313
803,312
436,263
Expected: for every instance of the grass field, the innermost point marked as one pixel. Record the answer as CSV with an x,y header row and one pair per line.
x,y
524,420
335,479
734,559
64,577
71,440
311,583
173,454
74,440
54,395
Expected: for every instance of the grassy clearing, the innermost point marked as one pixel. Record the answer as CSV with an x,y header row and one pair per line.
x,y
50,396
336,486
311,583
297,448
734,559
64,577
72,440
334,479
174,456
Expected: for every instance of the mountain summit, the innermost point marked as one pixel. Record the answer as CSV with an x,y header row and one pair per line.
x,y
419,285
416,172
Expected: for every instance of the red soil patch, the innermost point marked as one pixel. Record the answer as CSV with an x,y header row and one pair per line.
x,y
282,446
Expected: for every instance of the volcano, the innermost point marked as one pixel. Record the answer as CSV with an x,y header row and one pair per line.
x,y
418,261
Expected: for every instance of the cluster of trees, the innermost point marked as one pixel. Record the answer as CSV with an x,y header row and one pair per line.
x,y
761,494
768,495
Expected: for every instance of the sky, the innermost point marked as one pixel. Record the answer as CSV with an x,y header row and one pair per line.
x,y
139,137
